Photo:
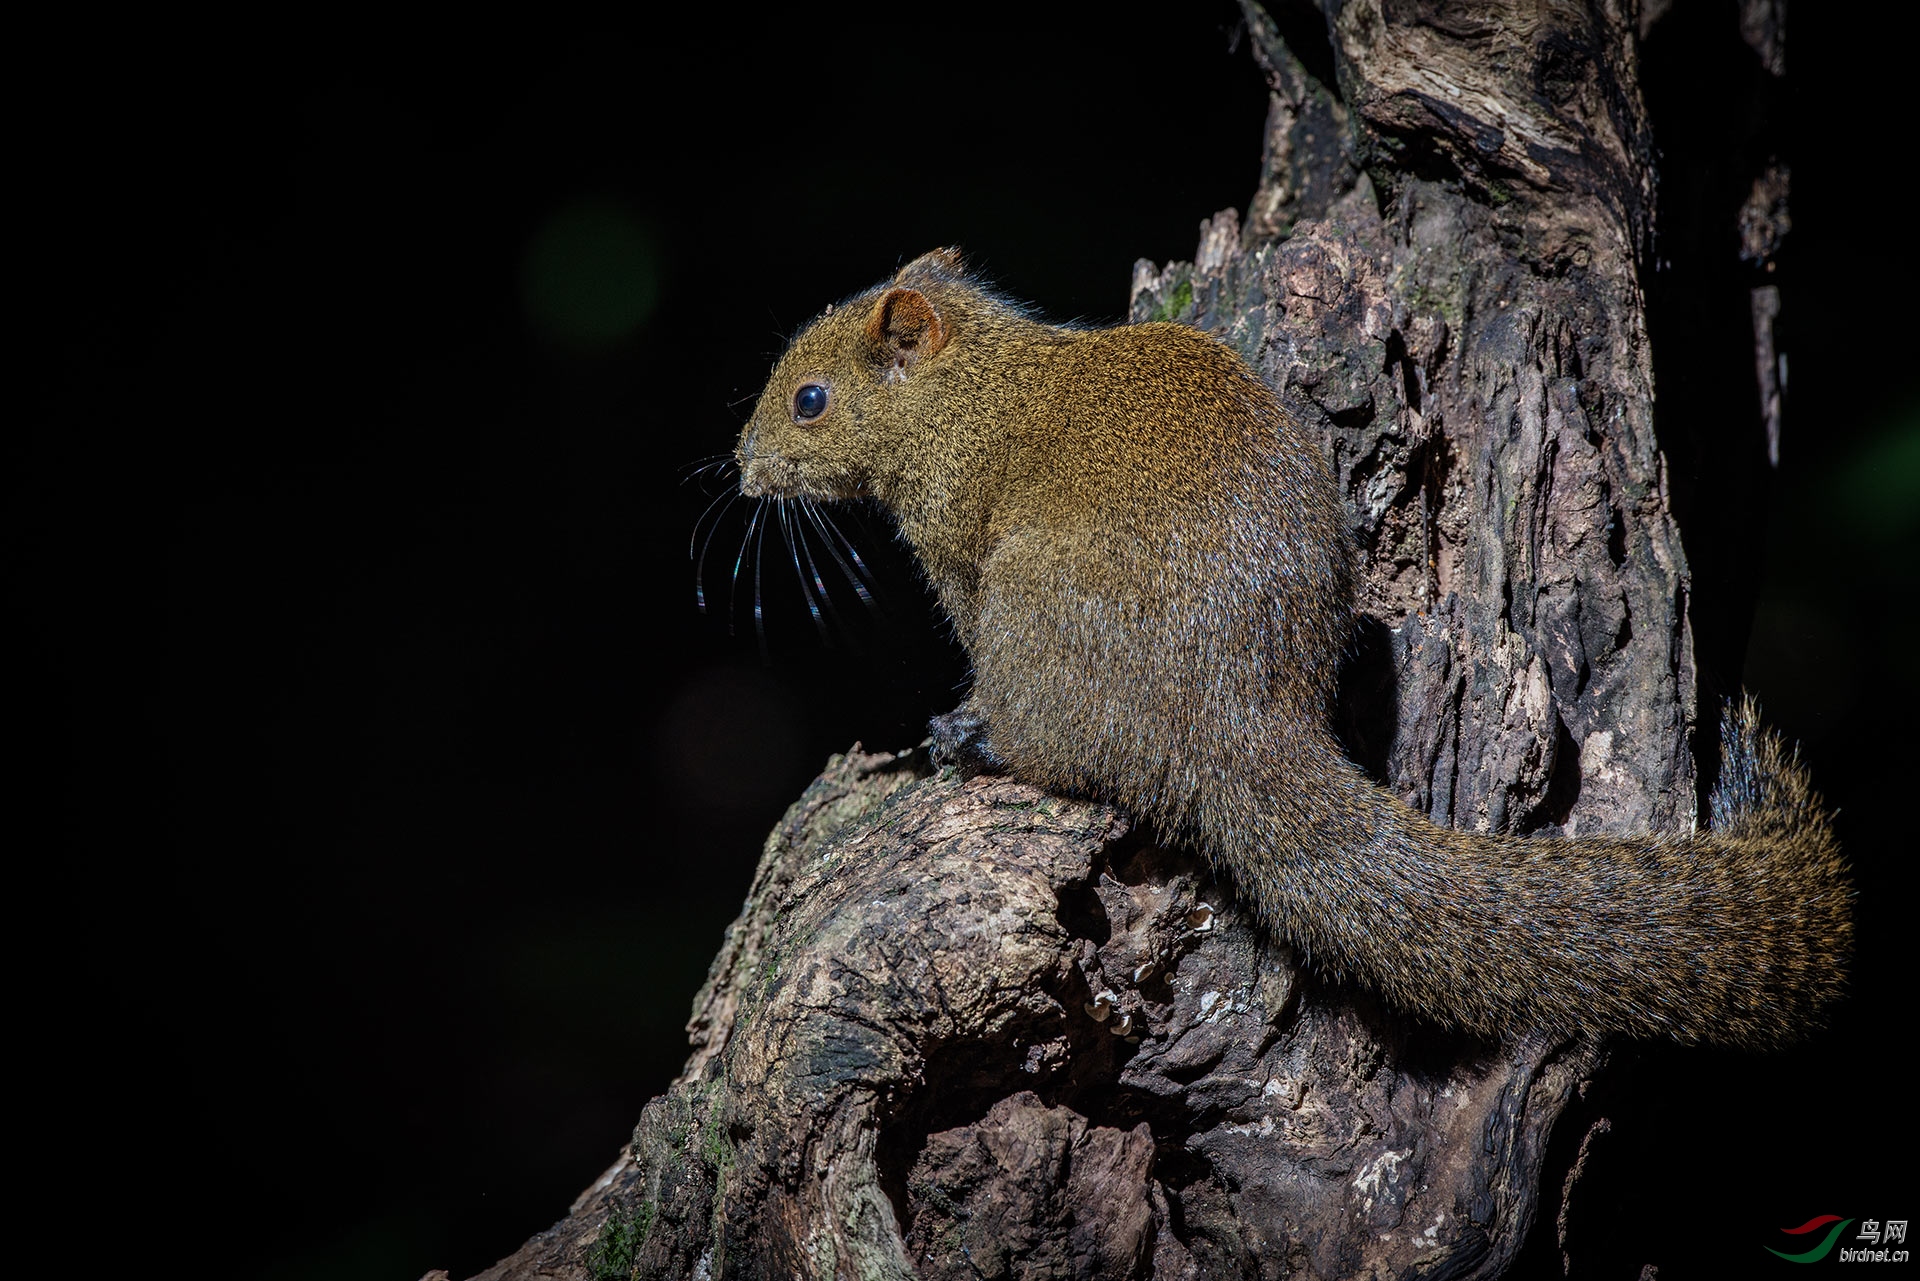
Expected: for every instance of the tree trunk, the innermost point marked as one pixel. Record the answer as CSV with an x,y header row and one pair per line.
x,y
966,1029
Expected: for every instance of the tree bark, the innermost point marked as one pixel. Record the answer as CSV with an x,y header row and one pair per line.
x,y
967,1029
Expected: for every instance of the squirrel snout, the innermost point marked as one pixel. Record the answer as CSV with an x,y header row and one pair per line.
x,y
764,477
753,467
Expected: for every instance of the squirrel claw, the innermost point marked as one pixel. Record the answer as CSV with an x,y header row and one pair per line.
x,y
960,740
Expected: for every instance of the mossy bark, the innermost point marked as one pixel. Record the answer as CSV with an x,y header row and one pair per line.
x,y
966,1029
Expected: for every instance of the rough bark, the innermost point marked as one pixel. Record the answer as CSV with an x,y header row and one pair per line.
x,y
966,1029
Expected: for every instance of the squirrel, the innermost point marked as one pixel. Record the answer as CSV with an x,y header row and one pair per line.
x,y
1145,559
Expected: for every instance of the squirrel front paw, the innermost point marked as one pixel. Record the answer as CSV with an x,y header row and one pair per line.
x,y
960,740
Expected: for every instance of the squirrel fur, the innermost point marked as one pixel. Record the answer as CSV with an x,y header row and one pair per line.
x,y
1146,561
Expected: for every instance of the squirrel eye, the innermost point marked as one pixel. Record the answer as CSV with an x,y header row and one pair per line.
x,y
809,402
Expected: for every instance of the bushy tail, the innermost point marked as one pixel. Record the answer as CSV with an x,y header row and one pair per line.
x,y
1738,936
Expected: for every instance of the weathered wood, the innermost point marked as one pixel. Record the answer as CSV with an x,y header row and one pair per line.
x,y
965,1029
968,1029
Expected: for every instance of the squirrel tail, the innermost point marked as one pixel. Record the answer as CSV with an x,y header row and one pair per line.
x,y
1738,936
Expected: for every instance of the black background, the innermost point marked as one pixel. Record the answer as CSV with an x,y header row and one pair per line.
x,y
400,793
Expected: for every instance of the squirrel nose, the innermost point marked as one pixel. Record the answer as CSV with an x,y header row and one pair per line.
x,y
753,471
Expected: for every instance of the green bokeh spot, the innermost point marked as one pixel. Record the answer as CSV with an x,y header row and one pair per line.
x,y
1878,489
589,277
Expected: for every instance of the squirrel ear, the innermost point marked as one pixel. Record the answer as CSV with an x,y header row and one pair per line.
x,y
905,327
940,263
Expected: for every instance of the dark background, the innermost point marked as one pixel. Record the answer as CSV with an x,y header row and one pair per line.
x,y
400,793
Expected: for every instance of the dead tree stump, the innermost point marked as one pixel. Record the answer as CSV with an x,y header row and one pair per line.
x,y
968,1030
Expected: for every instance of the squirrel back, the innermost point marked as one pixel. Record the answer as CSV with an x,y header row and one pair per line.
x,y
1146,561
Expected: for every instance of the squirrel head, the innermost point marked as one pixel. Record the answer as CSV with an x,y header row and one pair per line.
x,y
837,418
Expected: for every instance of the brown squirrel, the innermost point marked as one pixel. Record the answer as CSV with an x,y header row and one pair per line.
x,y
1145,559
